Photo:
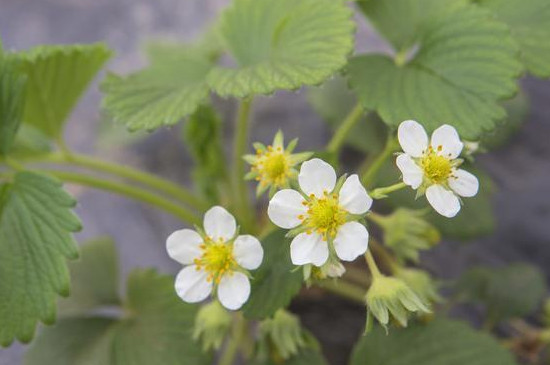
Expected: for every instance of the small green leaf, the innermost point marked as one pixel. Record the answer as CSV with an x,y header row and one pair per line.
x,y
57,77
157,329
333,101
276,282
94,278
12,91
170,89
529,22
36,226
466,62
202,136
513,291
440,342
282,44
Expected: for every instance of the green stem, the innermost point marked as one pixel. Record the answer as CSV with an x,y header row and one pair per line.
x,y
169,188
369,176
345,289
128,191
232,347
359,276
372,265
381,193
239,149
345,127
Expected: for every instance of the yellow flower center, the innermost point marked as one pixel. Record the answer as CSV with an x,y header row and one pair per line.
x,y
273,167
216,259
437,168
324,215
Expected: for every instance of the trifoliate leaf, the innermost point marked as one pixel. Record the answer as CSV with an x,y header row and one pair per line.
x,y
276,281
282,44
333,101
440,342
529,22
57,77
466,62
36,226
170,89
94,278
12,92
513,291
156,329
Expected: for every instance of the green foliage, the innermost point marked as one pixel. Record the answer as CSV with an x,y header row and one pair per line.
x,y
333,101
202,135
94,278
57,77
156,329
12,89
529,22
276,282
30,142
466,63
282,44
440,342
36,226
170,89
513,291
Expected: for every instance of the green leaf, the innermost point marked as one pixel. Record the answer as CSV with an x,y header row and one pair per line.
x,y
36,226
94,278
440,342
30,142
12,91
57,77
513,291
170,89
202,136
529,22
466,62
282,44
157,329
276,282
333,101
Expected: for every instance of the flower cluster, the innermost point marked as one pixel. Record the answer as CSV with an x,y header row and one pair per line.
x,y
215,259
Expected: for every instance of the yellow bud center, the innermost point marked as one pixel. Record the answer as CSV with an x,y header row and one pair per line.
x,y
324,215
216,259
437,168
273,167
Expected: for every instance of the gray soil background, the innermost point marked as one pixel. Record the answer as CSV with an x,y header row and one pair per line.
x,y
521,170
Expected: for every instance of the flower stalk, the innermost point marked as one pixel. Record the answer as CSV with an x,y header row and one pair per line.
x,y
344,129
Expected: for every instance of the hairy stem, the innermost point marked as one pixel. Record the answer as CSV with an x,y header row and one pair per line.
x,y
368,177
381,193
240,144
345,127
372,264
234,342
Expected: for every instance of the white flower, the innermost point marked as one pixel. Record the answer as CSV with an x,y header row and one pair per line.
x,y
325,215
215,258
433,167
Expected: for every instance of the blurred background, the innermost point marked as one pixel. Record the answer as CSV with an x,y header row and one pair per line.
x,y
520,170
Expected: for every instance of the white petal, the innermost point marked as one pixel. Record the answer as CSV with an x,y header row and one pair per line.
x,y
353,196
412,173
412,138
308,249
219,223
248,252
183,246
285,207
352,240
446,137
444,201
233,290
464,183
191,284
316,176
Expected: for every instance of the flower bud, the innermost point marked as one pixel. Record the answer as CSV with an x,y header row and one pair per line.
x,y
391,298
407,233
284,333
333,268
421,283
211,326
